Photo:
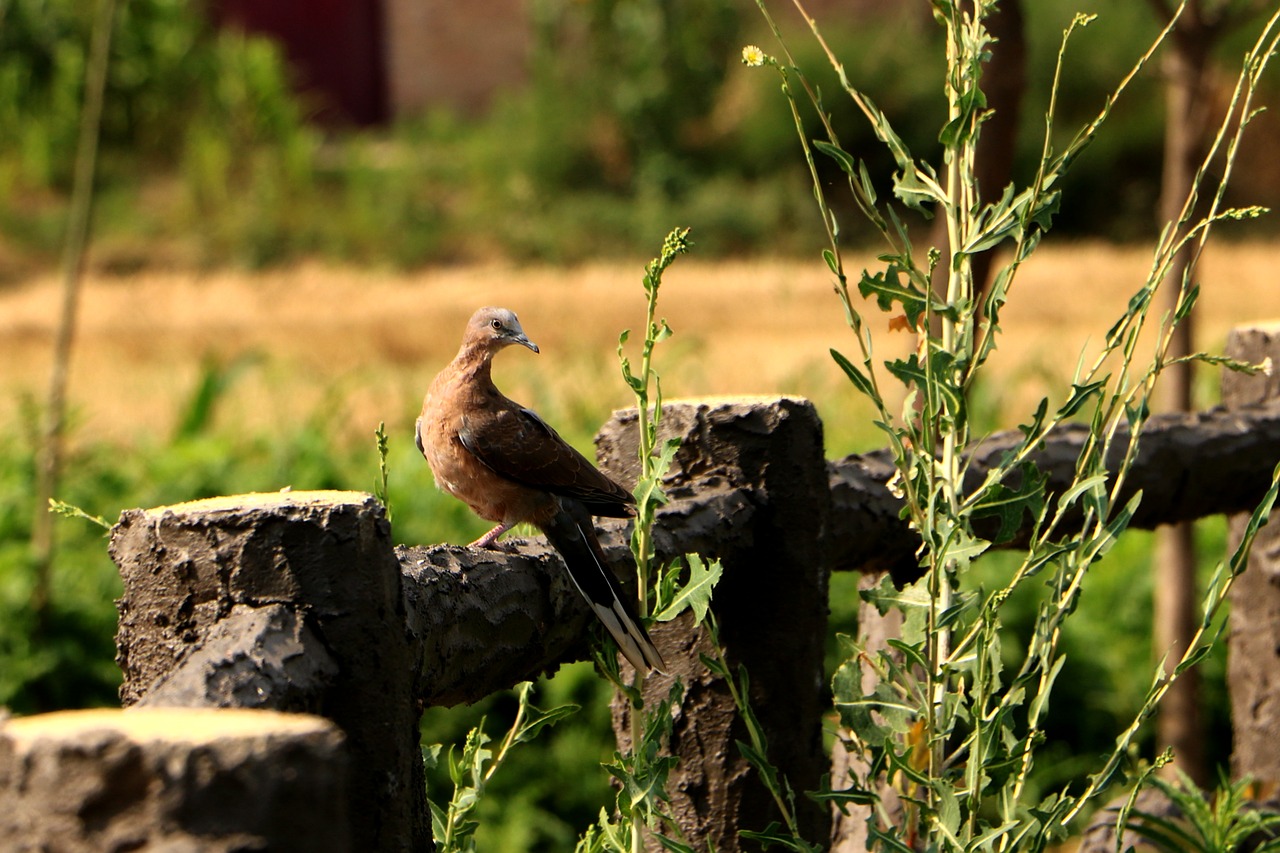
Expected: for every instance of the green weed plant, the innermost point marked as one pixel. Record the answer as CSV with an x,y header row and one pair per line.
x,y
1230,819
947,739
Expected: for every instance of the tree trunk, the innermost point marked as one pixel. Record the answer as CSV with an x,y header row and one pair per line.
x,y
1185,67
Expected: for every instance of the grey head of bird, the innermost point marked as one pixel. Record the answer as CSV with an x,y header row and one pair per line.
x,y
495,328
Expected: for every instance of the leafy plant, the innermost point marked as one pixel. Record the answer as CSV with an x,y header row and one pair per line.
x,y
1206,825
642,771
471,770
646,75
947,730
380,485
649,494
66,510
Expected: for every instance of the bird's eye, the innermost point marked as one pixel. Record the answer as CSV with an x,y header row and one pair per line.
x,y
497,325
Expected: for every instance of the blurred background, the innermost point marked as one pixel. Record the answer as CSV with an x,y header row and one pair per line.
x,y
297,205
409,132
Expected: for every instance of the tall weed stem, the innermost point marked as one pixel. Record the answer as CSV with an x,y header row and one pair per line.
x,y
649,494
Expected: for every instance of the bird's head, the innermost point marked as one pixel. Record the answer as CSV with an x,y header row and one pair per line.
x,y
496,328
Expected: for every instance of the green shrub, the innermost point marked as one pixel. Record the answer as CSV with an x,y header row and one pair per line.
x,y
629,122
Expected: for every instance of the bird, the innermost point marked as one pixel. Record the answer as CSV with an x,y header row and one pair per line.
x,y
511,467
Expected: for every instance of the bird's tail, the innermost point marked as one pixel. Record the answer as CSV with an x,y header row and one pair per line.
x,y
570,532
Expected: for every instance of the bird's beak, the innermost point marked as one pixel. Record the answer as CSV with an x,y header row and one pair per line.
x,y
525,342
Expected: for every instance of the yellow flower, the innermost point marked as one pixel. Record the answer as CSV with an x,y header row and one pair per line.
x,y
753,56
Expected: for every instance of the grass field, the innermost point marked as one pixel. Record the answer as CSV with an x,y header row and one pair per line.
x,y
366,343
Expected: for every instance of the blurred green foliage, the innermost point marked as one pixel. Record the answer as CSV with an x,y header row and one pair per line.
x,y
636,115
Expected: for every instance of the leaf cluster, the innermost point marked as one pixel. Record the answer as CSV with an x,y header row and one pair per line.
x,y
1206,825
453,825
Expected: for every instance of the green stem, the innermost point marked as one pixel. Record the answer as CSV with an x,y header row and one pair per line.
x,y
959,181
753,732
644,520
49,463
647,424
509,740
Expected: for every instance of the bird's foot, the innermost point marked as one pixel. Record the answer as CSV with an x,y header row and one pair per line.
x,y
490,539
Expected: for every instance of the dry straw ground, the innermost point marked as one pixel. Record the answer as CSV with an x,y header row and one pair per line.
x,y
366,343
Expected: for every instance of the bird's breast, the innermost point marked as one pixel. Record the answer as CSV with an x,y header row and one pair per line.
x,y
458,472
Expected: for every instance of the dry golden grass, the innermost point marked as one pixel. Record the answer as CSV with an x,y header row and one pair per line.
x,y
366,343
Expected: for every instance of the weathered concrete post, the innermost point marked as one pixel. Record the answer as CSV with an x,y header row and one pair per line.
x,y
771,604
1253,651
286,601
172,779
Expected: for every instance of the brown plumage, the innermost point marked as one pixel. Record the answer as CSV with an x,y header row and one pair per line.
x,y
509,466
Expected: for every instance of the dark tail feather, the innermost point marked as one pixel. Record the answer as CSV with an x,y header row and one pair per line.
x,y
570,532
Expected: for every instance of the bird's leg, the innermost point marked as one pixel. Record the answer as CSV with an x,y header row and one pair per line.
x,y
490,539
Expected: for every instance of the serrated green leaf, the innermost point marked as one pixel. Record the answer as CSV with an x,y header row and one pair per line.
x,y
951,132
914,192
1240,557
714,665
888,840
1098,481
696,593
886,596
964,548
913,655
889,291
868,187
1042,697
961,605
1010,505
673,845
648,491
772,834
846,683
937,382
1081,393
537,719
760,762
948,809
1164,833
1192,658
439,821
842,798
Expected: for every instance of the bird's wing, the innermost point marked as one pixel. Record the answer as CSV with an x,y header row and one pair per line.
x,y
517,444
